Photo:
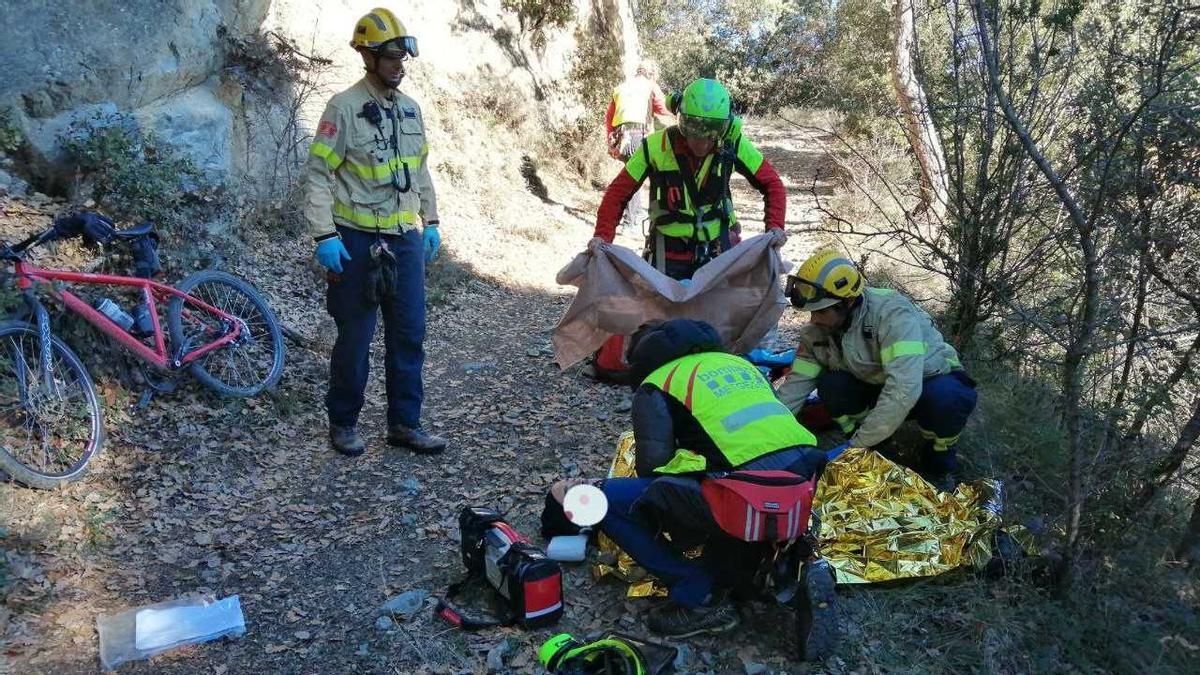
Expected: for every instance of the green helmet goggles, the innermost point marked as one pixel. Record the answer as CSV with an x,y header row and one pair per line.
x,y
706,128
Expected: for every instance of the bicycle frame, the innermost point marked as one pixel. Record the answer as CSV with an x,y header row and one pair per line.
x,y
152,292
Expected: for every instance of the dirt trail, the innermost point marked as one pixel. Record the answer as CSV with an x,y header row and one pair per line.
x,y
245,497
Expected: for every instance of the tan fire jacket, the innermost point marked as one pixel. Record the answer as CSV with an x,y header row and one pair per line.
x,y
890,342
366,176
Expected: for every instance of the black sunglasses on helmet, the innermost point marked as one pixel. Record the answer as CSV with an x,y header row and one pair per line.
x,y
803,293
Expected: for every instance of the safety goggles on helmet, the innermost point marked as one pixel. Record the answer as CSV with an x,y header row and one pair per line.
x,y
807,295
398,48
708,128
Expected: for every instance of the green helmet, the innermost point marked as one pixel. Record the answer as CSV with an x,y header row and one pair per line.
x,y
706,98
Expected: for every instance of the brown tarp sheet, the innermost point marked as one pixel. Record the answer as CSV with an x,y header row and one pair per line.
x,y
737,292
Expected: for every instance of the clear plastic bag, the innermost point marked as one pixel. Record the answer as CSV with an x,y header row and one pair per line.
x,y
142,632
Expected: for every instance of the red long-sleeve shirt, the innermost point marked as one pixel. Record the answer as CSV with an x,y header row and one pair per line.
x,y
766,180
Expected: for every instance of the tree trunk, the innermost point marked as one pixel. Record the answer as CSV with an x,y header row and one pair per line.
x,y
910,95
1168,465
1189,547
1082,335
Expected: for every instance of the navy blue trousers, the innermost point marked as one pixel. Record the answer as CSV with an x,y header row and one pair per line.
x,y
636,527
941,412
356,317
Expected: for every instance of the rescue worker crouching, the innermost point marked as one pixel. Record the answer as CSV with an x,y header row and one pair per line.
x,y
876,359
371,209
689,391
689,166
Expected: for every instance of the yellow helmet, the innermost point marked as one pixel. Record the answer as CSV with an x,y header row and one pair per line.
x,y
380,30
824,280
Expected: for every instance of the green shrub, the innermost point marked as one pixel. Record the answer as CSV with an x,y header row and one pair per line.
x,y
10,135
538,16
137,176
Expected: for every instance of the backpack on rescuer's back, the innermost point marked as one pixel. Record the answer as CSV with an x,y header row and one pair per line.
x,y
529,584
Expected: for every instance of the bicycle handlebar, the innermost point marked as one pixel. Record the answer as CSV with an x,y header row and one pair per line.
x,y
15,252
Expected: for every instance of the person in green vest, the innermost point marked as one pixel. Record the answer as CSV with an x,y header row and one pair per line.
x,y
689,166
697,409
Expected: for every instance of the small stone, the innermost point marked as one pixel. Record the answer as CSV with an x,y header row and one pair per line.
x,y
405,604
708,658
363,649
602,415
408,520
625,405
495,656
303,635
682,657
385,623
411,486
478,366
754,668
533,351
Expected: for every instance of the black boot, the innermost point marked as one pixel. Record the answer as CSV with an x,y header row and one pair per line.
x,y
818,631
346,440
416,440
678,621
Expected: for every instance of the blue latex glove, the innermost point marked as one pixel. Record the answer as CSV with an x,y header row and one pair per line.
x,y
431,240
833,453
330,253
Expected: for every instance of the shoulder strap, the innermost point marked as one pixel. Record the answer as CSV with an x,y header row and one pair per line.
x,y
451,614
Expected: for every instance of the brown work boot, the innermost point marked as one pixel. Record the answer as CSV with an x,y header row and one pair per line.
x,y
416,440
346,440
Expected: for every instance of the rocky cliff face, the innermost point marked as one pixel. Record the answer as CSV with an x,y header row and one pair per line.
x,y
173,67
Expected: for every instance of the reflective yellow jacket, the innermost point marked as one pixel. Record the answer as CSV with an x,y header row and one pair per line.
x,y
356,175
890,342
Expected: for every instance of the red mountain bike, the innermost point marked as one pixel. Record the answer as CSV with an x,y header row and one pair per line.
x,y
218,328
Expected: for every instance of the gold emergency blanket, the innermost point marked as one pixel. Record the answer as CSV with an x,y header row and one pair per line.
x,y
879,522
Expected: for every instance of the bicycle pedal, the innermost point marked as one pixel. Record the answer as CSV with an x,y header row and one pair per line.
x,y
143,400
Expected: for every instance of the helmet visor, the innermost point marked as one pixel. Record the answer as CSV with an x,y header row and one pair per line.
x,y
399,48
806,295
707,128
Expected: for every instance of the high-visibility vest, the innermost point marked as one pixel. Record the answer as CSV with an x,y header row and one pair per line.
x,y
673,207
736,407
631,102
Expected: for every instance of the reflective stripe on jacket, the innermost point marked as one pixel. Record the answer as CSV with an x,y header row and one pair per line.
x,y
354,167
890,342
673,207
734,405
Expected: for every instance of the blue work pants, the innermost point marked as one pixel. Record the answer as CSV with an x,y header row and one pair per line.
x,y
941,412
403,310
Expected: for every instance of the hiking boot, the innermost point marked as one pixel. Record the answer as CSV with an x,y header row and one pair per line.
x,y
416,440
346,440
817,630
677,621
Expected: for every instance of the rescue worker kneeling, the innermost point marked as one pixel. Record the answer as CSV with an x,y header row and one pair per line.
x,y
697,410
876,359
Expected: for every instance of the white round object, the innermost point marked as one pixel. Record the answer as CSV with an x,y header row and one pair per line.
x,y
585,505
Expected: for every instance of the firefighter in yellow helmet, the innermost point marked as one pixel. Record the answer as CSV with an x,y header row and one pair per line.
x,y
372,211
876,359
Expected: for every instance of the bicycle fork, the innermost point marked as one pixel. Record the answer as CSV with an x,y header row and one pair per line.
x,y
45,345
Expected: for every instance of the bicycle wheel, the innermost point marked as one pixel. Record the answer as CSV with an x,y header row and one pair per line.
x,y
244,367
50,428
